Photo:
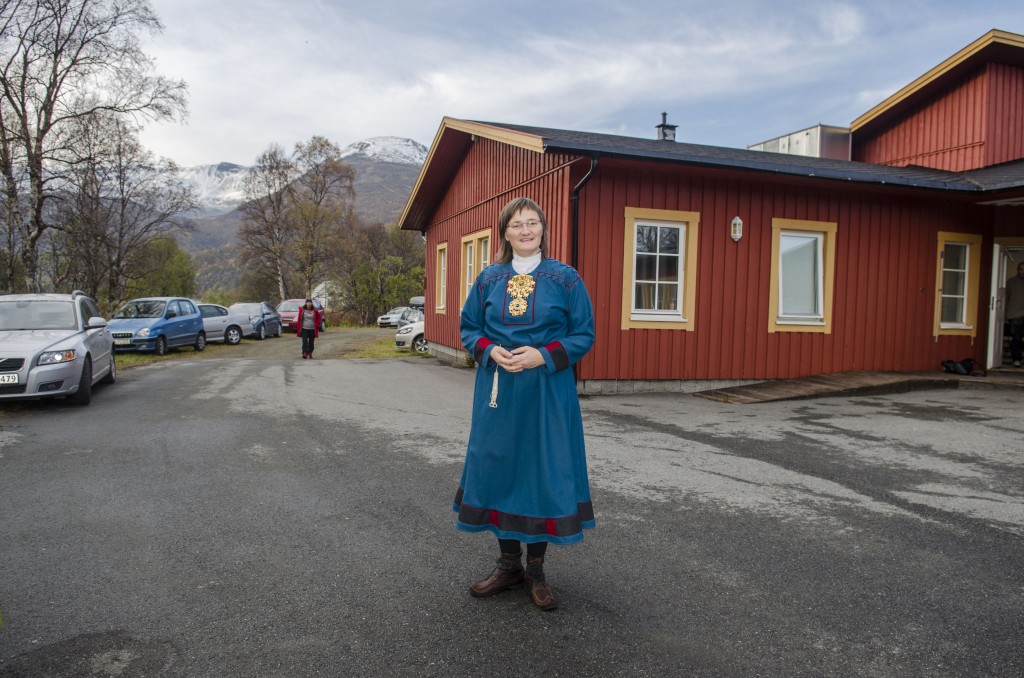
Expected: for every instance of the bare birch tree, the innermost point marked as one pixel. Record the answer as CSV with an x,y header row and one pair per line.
x,y
62,60
322,207
267,233
117,198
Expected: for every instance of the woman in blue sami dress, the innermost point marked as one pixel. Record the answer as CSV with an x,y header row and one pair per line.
x,y
526,321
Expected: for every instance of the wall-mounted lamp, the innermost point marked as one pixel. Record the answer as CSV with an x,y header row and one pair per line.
x,y
737,229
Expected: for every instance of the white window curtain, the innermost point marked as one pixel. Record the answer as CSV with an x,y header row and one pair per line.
x,y
801,278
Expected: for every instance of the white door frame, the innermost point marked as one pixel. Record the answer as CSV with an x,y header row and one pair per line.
x,y
997,292
1002,249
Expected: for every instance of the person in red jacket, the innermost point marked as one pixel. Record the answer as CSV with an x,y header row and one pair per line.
x,y
307,326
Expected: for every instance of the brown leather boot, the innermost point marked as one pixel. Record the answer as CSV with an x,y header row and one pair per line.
x,y
543,596
507,575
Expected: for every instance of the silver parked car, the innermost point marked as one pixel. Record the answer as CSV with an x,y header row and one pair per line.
x,y
264,319
53,345
411,336
223,324
390,319
409,315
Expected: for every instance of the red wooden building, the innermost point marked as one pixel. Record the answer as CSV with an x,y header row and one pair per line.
x,y
708,264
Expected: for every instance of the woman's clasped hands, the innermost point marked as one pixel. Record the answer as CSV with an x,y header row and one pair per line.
x,y
518,359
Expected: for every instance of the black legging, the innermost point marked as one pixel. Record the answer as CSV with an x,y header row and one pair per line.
x,y
308,337
534,550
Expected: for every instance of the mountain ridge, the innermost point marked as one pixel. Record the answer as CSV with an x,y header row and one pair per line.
x,y
220,186
386,169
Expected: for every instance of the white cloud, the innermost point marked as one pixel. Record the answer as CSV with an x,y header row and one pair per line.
x,y
731,73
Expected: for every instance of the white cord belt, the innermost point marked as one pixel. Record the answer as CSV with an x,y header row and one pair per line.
x,y
494,388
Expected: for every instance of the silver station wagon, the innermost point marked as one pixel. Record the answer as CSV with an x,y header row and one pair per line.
x,y
53,345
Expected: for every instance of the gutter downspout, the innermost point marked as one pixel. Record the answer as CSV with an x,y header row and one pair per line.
x,y
576,211
576,233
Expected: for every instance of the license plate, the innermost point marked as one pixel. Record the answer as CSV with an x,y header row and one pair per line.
x,y
8,378
122,342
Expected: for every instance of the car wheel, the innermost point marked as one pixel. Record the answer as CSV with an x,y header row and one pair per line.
x,y
111,376
84,393
262,333
200,342
278,333
420,344
161,346
233,336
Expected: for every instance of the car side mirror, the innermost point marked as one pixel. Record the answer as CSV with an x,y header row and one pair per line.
x,y
95,322
171,314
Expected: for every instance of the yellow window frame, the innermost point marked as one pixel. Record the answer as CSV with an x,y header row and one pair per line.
x,y
827,230
441,278
971,294
474,241
690,223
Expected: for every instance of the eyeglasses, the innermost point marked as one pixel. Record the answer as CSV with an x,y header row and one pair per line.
x,y
519,225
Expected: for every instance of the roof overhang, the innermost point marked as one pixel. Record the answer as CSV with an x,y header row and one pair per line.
x,y
452,142
995,46
998,185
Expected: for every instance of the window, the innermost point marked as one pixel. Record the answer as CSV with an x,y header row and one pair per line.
x,y
90,310
441,278
954,284
469,261
957,279
476,255
802,277
659,269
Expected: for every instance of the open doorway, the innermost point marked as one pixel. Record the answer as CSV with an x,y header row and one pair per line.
x,y
1005,260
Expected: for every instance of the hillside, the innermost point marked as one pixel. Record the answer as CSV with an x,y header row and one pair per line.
x,y
386,169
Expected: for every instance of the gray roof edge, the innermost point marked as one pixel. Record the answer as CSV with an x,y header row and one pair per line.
x,y
1006,177
959,183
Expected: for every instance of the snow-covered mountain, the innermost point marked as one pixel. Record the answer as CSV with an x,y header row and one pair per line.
x,y
388,149
219,186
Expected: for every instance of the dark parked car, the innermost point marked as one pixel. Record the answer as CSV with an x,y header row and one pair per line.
x,y
158,324
222,324
53,345
266,321
289,310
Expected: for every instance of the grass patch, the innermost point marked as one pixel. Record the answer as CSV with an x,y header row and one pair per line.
x,y
382,347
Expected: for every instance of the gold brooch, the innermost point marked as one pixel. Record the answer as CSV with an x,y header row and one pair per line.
x,y
519,288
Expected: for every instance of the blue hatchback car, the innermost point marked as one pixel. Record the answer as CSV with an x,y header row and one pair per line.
x,y
158,324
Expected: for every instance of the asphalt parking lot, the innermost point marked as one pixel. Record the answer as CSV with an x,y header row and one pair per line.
x,y
242,517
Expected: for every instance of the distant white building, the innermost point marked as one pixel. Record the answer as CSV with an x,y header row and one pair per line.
x,y
327,293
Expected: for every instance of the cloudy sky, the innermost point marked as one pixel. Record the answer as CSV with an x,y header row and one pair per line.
x,y
728,72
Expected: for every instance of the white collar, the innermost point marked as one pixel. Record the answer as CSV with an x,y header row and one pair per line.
x,y
525,264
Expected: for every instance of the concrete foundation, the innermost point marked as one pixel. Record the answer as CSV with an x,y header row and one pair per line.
x,y
460,357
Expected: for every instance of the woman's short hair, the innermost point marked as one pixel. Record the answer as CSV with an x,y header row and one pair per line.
x,y
513,207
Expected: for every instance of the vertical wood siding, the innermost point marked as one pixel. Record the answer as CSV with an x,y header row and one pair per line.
x,y
977,123
947,132
1005,123
884,292
490,176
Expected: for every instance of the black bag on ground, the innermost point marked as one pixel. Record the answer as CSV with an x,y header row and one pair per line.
x,y
963,367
